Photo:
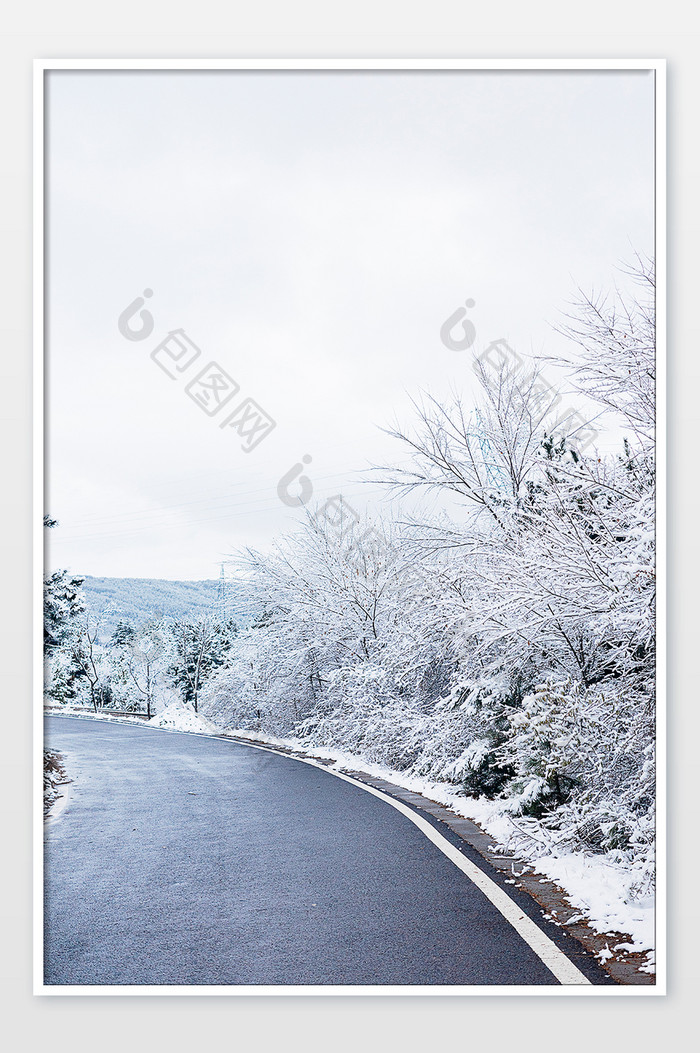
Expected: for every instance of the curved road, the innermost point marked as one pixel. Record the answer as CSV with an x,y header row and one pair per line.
x,y
182,859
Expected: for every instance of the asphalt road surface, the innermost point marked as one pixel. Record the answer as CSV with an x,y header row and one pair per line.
x,y
181,859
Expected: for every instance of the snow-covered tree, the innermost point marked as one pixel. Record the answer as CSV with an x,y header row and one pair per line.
x,y
508,646
89,661
139,656
64,603
200,647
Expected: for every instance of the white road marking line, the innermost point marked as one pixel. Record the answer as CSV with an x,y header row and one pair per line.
x,y
546,950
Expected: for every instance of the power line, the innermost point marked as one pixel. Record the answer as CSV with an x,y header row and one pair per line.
x,y
158,523
97,519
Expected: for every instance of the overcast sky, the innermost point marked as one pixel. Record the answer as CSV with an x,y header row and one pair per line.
x,y
310,232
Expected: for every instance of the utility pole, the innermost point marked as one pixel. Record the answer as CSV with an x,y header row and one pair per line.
x,y
494,472
221,594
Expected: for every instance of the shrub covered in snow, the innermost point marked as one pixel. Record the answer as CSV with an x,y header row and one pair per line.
x,y
54,776
508,650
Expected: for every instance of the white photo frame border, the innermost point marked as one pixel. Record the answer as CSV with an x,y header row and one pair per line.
x,y
44,66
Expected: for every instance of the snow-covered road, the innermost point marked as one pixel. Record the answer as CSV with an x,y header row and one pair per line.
x,y
182,859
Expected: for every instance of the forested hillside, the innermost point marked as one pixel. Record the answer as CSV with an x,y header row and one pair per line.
x,y
137,599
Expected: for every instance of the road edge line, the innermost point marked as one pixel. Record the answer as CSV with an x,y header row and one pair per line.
x,y
558,963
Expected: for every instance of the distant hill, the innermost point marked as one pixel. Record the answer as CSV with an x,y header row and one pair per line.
x,y
137,599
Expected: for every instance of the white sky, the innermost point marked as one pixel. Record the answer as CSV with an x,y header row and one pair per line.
x,y
310,232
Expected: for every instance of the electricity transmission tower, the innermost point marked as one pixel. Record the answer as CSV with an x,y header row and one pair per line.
x,y
494,471
221,604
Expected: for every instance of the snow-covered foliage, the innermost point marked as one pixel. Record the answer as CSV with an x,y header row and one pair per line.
x,y
138,657
95,656
141,668
508,651
64,605
54,776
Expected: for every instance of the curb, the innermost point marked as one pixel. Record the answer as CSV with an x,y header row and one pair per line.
x,y
554,906
550,898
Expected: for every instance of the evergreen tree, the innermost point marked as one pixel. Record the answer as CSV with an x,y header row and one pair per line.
x,y
139,654
63,602
200,648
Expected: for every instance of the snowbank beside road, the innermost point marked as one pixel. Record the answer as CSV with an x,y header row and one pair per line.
x,y
178,717
603,888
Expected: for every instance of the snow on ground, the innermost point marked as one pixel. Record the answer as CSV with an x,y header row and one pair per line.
x,y
54,776
600,887
175,717
82,711
179,717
